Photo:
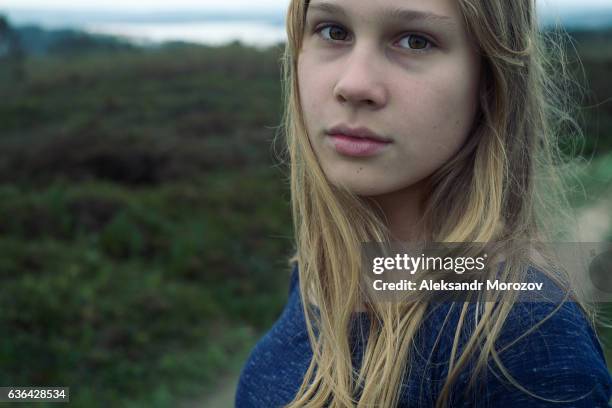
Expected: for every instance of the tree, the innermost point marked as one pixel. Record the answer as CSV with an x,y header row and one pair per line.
x,y
12,56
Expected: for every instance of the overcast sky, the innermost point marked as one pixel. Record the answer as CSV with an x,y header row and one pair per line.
x,y
147,5
241,5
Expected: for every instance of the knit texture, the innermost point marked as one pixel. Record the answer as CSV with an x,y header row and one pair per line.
x,y
560,360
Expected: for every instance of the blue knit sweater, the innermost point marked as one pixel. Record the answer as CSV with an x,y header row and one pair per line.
x,y
560,360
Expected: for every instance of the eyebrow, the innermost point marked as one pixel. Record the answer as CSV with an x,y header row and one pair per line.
x,y
405,15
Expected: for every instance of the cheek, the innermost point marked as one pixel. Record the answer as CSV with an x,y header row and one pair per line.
x,y
312,86
439,111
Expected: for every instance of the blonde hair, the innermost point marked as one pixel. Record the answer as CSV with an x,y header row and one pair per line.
x,y
504,185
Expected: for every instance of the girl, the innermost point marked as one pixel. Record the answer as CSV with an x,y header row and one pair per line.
x,y
421,121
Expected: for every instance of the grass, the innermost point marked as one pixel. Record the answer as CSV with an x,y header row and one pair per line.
x,y
115,291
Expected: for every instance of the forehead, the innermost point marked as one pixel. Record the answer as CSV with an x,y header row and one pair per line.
x,y
445,12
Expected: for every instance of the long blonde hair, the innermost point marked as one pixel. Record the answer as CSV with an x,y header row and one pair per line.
x,y
504,185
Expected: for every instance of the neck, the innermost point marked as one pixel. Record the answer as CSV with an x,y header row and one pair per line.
x,y
403,211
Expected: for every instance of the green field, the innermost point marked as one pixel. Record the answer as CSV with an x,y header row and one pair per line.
x,y
144,221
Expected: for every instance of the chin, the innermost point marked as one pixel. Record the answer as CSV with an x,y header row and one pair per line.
x,y
364,186
374,185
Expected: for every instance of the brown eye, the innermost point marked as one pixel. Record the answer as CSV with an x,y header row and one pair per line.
x,y
336,33
416,42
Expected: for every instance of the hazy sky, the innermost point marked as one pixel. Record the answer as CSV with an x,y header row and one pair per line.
x,y
147,5
242,5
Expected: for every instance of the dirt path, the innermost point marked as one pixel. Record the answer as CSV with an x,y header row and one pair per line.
x,y
594,221
223,396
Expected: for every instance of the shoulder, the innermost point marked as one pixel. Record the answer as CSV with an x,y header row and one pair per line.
x,y
547,345
551,350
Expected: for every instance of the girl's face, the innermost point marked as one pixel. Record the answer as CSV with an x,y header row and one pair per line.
x,y
403,69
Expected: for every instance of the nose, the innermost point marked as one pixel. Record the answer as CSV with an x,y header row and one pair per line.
x,y
360,83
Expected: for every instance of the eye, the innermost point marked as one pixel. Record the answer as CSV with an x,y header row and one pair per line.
x,y
416,42
334,32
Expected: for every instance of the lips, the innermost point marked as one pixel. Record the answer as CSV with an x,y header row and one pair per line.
x,y
357,132
358,142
